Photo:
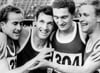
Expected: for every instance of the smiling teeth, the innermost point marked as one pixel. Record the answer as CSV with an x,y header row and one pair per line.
x,y
62,25
84,24
44,32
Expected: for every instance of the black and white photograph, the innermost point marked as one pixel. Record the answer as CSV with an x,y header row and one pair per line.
x,y
49,36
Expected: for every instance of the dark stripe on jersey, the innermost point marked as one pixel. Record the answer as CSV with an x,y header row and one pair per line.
x,y
96,44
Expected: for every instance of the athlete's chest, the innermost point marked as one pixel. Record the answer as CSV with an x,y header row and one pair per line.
x,y
75,46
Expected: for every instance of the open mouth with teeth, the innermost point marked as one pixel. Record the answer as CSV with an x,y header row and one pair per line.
x,y
84,24
44,32
62,25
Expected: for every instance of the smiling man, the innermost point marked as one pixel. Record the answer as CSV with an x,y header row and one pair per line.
x,y
68,40
11,24
37,38
90,22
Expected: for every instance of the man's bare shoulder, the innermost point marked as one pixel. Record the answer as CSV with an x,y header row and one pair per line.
x,y
3,44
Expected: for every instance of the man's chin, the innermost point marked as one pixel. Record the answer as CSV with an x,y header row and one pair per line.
x,y
43,37
15,38
84,30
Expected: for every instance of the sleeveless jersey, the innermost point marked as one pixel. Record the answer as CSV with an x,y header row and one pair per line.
x,y
90,50
71,53
28,53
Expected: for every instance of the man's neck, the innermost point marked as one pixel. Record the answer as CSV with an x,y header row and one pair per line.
x,y
64,36
10,42
39,43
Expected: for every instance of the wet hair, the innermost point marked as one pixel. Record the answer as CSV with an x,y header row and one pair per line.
x,y
6,9
44,9
65,4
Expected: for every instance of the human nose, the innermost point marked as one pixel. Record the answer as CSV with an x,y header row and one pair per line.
x,y
81,18
45,26
19,26
59,21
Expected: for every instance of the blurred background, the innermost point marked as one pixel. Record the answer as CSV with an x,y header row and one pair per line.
x,y
29,7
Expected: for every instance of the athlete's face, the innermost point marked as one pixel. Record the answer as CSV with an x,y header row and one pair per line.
x,y
13,26
88,18
62,18
44,25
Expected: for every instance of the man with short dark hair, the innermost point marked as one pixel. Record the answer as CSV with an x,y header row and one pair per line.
x,y
68,40
37,38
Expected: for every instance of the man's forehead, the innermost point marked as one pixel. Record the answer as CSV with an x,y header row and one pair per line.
x,y
61,12
43,15
13,16
87,8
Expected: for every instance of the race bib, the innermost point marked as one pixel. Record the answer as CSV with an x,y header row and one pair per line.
x,y
74,59
12,62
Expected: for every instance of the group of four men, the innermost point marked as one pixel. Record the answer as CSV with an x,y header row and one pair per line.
x,y
55,43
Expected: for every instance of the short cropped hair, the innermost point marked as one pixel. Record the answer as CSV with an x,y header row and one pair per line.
x,y
6,9
65,4
44,9
95,3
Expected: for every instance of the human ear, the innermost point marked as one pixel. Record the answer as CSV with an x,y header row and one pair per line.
x,y
98,19
2,25
34,23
